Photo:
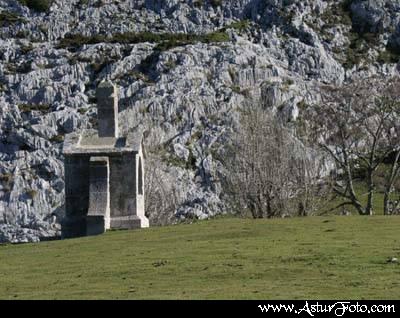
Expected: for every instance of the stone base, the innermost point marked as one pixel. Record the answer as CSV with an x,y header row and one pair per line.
x,y
128,222
73,227
95,225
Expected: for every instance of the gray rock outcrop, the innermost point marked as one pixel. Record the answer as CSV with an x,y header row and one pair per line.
x,y
186,96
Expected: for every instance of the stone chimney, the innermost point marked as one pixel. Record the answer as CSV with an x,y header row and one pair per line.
x,y
107,109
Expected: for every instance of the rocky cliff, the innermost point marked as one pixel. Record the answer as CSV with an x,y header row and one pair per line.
x,y
184,68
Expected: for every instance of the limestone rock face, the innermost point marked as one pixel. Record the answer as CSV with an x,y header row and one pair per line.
x,y
374,16
186,97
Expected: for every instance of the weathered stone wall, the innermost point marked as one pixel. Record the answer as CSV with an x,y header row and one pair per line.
x,y
76,194
140,194
107,109
98,217
122,185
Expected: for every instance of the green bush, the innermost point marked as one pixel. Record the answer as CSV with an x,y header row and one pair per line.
x,y
77,40
25,49
393,48
238,90
37,5
352,59
7,180
99,4
24,68
26,108
198,3
217,36
57,138
216,3
12,68
165,41
6,177
82,111
345,5
240,26
9,18
357,52
83,3
388,57
31,193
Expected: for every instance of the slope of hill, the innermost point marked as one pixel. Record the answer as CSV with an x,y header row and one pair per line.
x,y
300,258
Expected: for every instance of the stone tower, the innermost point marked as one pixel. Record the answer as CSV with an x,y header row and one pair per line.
x,y
107,109
103,174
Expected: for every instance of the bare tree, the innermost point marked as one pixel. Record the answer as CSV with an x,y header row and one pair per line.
x,y
268,172
390,101
161,195
357,125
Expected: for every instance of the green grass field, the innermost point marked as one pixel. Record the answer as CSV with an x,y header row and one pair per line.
x,y
228,258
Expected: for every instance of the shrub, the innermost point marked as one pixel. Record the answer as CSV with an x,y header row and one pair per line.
x,y
57,138
268,172
9,18
83,3
238,90
360,44
99,4
218,36
388,57
165,41
31,193
216,3
239,25
82,111
26,108
25,49
12,68
6,177
77,40
25,67
393,48
198,3
22,34
7,181
345,5
37,5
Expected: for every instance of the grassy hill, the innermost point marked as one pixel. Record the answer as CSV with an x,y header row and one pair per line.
x,y
228,258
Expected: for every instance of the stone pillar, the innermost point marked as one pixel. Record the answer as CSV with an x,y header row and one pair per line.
x,y
140,190
107,109
98,217
76,195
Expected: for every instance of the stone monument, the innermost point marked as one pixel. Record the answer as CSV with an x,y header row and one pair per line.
x,y
103,174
